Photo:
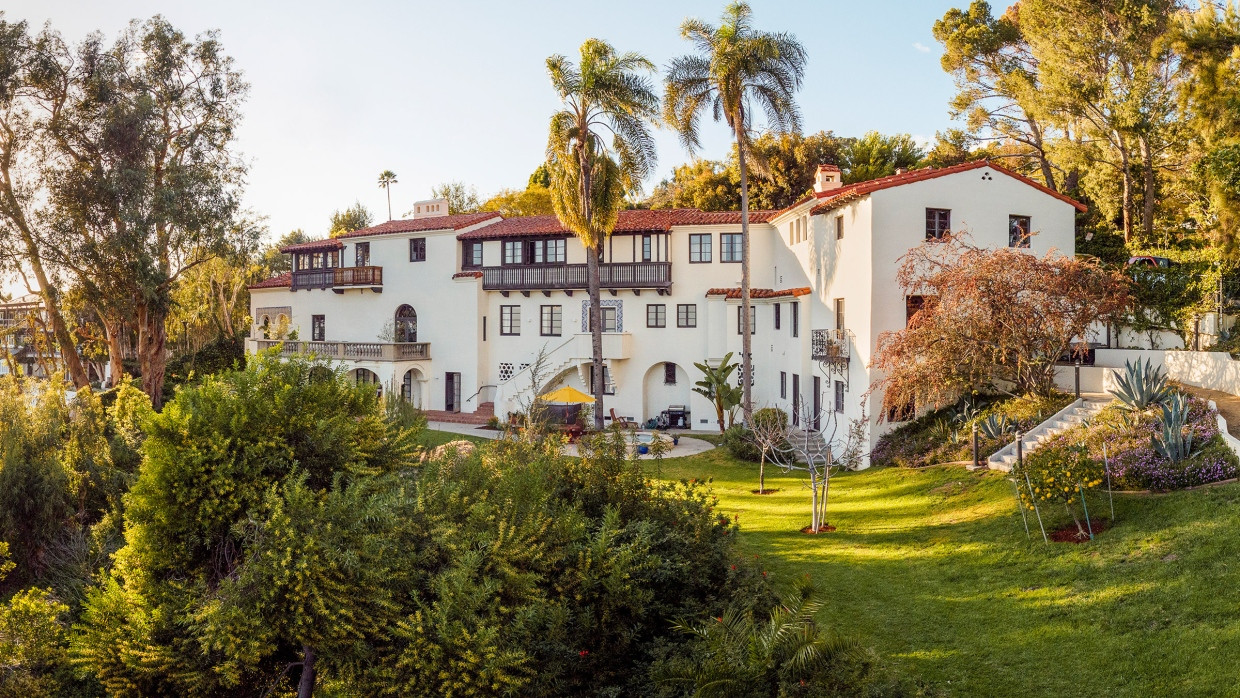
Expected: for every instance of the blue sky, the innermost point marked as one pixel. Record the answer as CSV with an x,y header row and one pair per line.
x,y
457,90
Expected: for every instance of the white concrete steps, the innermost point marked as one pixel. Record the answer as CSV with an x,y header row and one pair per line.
x,y
1070,416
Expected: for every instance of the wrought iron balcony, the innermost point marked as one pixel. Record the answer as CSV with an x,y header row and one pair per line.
x,y
338,278
656,275
373,351
830,345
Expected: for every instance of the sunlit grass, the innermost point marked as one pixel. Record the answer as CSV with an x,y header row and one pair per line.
x,y
933,569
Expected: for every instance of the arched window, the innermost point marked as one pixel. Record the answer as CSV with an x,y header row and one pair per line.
x,y
266,327
365,376
406,324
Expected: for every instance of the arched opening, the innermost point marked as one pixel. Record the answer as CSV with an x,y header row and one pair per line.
x,y
411,387
666,388
406,324
365,376
265,324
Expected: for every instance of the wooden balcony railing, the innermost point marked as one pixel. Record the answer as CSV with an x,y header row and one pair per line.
x,y
575,276
374,351
337,277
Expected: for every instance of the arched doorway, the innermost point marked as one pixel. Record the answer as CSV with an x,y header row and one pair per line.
x,y
406,324
365,376
665,385
411,387
265,324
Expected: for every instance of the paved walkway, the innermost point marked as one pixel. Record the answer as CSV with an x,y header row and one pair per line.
x,y
688,445
1228,405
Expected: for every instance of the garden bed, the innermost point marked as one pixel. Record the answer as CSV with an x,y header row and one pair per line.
x,y
1135,465
946,435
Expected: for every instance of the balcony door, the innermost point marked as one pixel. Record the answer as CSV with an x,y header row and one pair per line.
x,y
406,324
452,392
362,256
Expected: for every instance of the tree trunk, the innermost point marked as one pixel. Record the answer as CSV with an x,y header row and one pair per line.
x,y
596,334
746,330
1127,192
1048,174
762,473
112,329
152,355
51,303
1147,172
305,687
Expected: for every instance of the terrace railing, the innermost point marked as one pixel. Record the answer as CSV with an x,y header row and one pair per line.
x,y
575,276
372,351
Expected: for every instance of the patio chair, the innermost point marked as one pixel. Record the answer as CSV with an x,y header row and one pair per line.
x,y
625,422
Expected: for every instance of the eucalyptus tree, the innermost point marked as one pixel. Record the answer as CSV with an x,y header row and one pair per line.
x,y
736,69
386,179
608,93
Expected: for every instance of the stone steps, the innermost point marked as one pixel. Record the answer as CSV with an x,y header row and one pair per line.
x,y
478,417
1005,458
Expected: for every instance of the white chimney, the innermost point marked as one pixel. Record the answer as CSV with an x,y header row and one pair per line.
x,y
900,170
430,208
827,178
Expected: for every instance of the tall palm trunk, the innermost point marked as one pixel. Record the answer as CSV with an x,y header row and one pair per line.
x,y
593,252
746,330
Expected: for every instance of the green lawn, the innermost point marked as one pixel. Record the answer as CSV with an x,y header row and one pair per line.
x,y
432,438
932,569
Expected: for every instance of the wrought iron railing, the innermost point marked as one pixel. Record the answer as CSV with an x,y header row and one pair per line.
x,y
830,345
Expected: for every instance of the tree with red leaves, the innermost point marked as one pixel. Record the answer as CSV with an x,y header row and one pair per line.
x,y
990,319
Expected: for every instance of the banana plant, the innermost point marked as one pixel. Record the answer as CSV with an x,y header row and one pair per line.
x,y
1140,386
1175,443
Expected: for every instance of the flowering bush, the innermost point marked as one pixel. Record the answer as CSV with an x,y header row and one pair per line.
x,y
1134,463
1058,474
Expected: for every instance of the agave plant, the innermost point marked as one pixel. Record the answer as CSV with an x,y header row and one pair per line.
x,y
943,430
996,426
1141,385
968,412
1175,443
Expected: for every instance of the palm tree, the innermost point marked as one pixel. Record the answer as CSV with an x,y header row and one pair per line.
x,y
736,68
606,93
386,179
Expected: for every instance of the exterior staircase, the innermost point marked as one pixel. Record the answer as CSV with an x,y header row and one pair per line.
x,y
1005,458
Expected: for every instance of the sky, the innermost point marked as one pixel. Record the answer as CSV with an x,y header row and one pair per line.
x,y
458,91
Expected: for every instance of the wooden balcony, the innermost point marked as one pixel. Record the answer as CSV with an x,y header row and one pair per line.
x,y
373,351
338,278
569,277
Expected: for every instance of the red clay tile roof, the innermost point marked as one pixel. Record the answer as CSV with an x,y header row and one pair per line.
x,y
631,221
735,293
467,275
282,281
413,225
313,246
850,192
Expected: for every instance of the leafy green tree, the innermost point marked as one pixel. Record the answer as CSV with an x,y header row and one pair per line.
x,y
461,199
237,564
33,639
737,69
272,261
350,219
715,386
534,200
702,184
386,179
606,92
875,155
541,176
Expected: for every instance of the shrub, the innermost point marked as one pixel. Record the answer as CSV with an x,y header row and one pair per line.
x,y
772,417
1058,474
740,443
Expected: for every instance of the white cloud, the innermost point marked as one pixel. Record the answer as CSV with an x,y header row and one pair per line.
x,y
921,47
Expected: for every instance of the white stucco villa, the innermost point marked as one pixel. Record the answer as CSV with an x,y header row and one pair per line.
x,y
449,310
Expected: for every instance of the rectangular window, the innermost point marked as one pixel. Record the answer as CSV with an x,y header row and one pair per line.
x,y
514,252
471,255
839,227
609,388
731,247
656,315
669,373
550,320
796,400
839,396
686,315
839,313
318,328
362,254
938,223
753,319
548,251
699,248
1018,231
417,249
783,385
796,319
912,304
484,328
510,319
610,319
777,316
646,248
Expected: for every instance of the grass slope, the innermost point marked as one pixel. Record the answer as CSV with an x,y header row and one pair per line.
x,y
932,568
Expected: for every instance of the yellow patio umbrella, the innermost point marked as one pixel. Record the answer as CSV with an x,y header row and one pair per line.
x,y
567,395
